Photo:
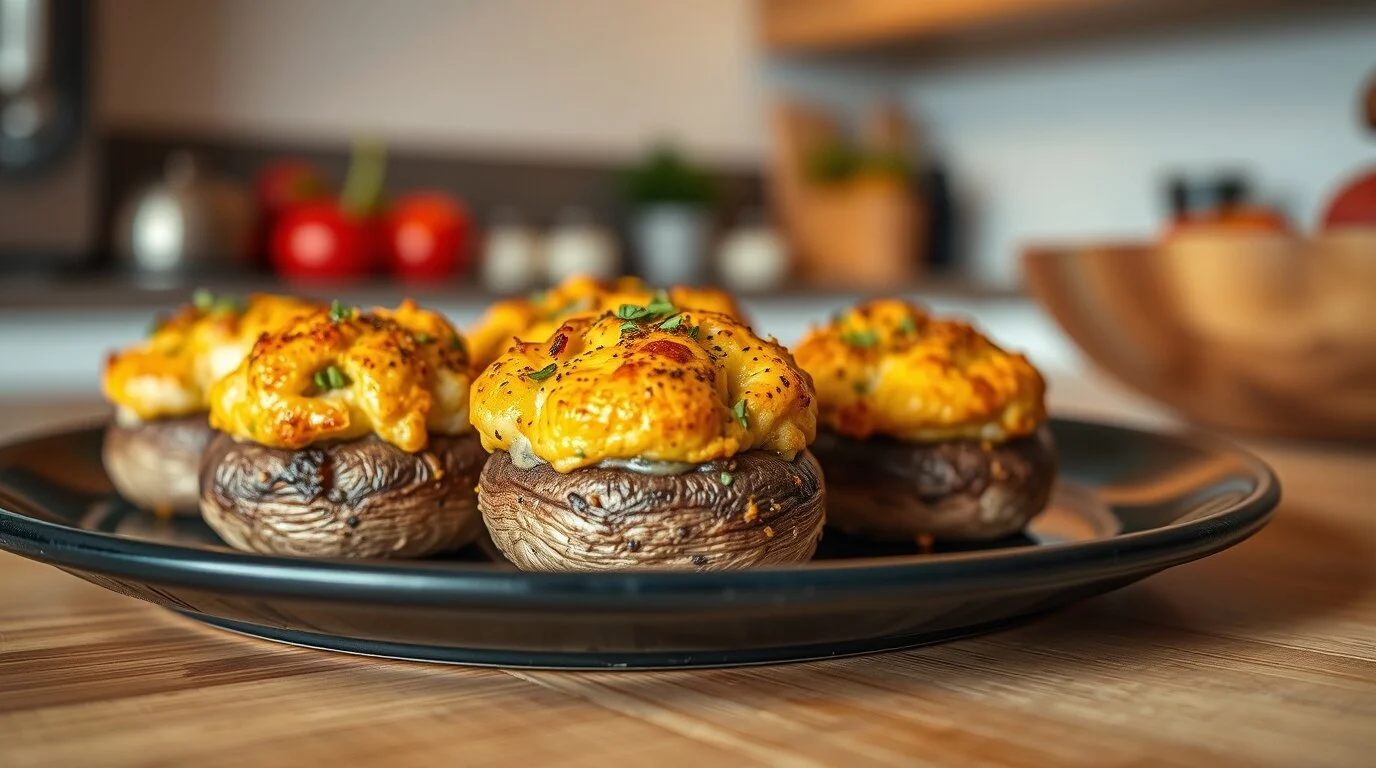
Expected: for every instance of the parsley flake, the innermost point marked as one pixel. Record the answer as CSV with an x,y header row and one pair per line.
x,y
330,378
906,325
202,299
339,312
671,323
866,338
543,373
660,305
739,412
726,478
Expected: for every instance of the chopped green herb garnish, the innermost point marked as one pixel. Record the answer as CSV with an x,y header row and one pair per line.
x,y
424,338
336,378
455,343
906,325
660,305
202,299
726,478
739,411
860,388
860,338
671,323
629,327
631,312
339,312
579,453
228,305
329,378
693,332
543,373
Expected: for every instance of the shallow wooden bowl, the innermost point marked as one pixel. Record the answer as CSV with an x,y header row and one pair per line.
x,y
1251,332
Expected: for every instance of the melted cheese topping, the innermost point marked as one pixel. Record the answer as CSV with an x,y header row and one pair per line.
x,y
888,368
400,374
607,390
538,317
170,373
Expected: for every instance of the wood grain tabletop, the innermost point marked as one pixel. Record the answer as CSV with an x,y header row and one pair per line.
x,y
1261,655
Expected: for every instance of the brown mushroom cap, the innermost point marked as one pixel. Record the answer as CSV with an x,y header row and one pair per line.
x,y
155,464
956,490
756,509
359,498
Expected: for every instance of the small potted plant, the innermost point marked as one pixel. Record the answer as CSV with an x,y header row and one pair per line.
x,y
670,202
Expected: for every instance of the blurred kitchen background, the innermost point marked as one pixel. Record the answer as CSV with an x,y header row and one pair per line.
x,y
1135,187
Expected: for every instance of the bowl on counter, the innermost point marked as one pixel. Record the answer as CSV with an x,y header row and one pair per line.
x,y
1252,332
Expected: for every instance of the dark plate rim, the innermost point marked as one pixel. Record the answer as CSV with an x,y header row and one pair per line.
x,y
427,583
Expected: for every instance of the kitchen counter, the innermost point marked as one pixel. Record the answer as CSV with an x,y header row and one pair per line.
x,y
1262,655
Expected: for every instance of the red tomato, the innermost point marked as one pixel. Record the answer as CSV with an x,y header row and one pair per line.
x,y
285,183
322,241
426,236
279,186
1354,205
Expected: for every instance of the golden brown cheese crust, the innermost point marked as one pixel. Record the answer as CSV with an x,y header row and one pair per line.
x,y
333,375
537,317
170,373
888,368
689,386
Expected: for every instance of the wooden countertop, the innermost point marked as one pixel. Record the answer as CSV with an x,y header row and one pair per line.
x,y
1262,655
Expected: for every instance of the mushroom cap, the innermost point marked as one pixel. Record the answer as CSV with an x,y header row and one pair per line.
x,y
358,498
956,490
753,510
154,464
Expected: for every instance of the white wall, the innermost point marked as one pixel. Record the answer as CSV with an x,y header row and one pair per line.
x,y
1074,144
546,77
600,77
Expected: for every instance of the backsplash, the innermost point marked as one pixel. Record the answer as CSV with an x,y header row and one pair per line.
x,y
1072,143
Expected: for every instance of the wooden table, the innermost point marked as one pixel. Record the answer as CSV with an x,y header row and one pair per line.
x,y
1262,655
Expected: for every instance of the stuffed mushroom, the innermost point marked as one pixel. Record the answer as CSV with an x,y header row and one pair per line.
x,y
160,390
537,317
929,430
346,434
649,437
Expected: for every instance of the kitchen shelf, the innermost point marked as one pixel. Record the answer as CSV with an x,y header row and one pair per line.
x,y
822,26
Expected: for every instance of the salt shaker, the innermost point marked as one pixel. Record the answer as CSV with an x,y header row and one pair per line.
x,y
577,246
752,256
511,255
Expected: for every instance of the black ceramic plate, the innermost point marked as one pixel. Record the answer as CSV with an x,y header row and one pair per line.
x,y
1129,504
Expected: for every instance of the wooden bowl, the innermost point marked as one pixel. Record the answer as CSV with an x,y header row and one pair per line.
x,y
1254,332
